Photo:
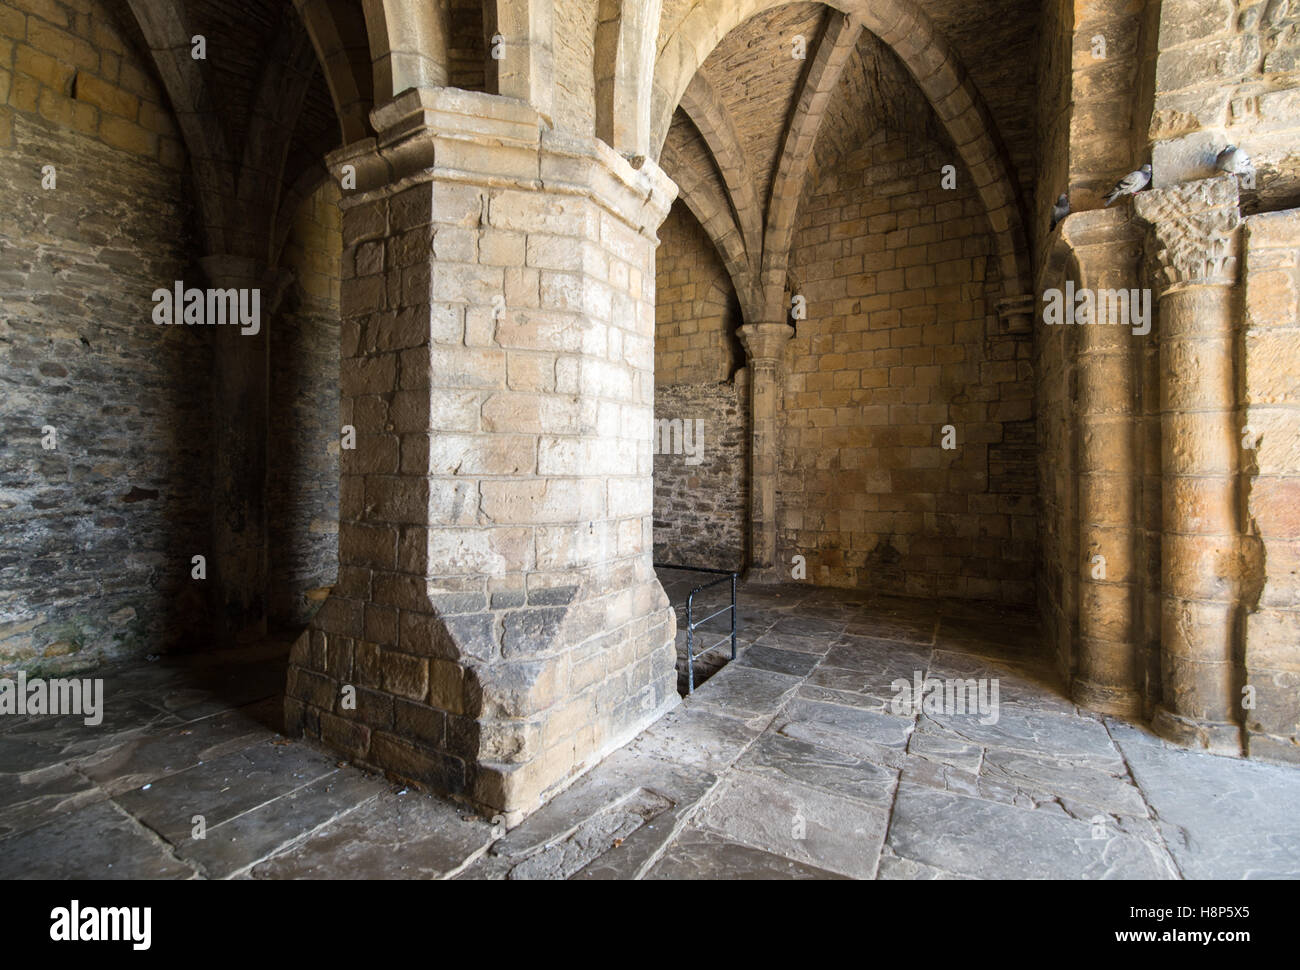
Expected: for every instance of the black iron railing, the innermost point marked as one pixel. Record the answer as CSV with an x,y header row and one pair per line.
x,y
692,624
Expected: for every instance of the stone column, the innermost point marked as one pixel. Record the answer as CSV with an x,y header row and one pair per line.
x,y
1107,675
765,343
1192,245
238,567
497,619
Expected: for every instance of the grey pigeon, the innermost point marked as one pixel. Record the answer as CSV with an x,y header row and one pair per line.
x,y
1130,184
1234,161
1061,209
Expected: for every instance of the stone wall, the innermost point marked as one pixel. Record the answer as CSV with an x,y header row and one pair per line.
x,y
1229,71
696,312
304,425
701,509
899,341
1270,418
70,65
99,531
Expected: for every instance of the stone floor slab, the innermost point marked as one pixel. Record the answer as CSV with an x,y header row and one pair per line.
x,y
1222,818
1081,740
791,662
247,839
99,841
698,856
221,789
147,758
797,822
747,691
697,736
991,840
405,835
786,759
666,793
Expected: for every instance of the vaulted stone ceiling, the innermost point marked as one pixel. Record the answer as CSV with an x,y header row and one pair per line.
x,y
996,42
749,84
726,140
875,91
243,43
755,77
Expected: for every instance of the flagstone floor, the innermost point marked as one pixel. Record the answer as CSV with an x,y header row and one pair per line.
x,y
787,763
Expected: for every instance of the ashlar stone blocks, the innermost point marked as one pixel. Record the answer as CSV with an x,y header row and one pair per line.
x,y
497,625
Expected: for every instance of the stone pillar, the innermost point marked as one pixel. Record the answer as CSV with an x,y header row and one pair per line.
x,y
238,567
1192,244
765,344
1107,675
496,618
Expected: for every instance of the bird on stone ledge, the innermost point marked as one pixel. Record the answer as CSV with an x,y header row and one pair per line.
x,y
1130,184
1235,161
1060,210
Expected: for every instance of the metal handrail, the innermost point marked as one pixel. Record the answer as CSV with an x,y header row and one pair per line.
x,y
691,623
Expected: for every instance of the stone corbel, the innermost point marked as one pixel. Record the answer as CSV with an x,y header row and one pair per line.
x,y
1016,314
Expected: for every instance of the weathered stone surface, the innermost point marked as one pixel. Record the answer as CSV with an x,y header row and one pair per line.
x,y
893,867
124,719
1042,793
667,793
1045,779
236,844
777,757
747,691
863,733
128,399
700,467
702,855
96,842
987,839
402,834
801,823
791,662
697,736
946,750
1221,818
223,788
1036,687
36,797
147,758
1080,740
592,839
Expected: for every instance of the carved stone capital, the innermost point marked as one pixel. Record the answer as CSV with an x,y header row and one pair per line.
x,y
765,342
1193,232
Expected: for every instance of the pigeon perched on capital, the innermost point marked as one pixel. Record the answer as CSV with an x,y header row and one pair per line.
x,y
1234,161
1061,209
1130,184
